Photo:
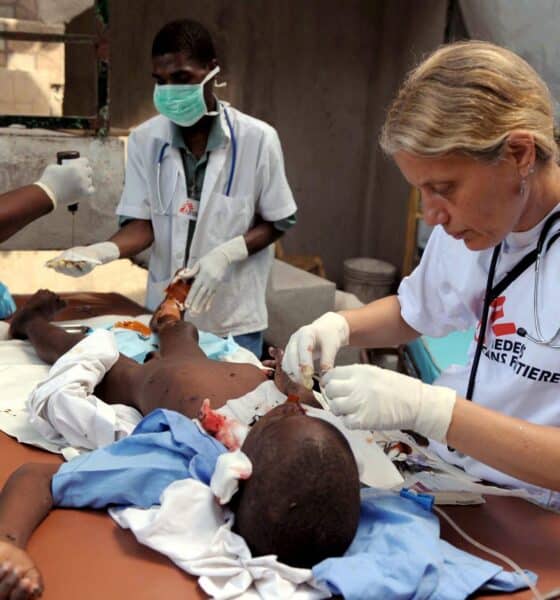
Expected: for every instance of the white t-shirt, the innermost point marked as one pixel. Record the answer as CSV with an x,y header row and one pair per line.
x,y
515,376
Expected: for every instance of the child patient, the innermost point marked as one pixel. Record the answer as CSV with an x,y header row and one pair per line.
x,y
301,502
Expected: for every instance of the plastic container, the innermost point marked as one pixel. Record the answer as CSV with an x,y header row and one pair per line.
x,y
368,278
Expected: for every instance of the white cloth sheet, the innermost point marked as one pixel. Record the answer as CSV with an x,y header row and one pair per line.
x,y
193,530
63,407
20,371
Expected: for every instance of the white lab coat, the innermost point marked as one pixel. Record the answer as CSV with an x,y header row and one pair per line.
x,y
259,187
515,376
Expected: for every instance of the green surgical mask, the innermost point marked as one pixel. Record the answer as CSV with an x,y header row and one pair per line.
x,y
183,103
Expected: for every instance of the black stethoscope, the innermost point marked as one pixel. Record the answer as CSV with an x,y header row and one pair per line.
x,y
493,291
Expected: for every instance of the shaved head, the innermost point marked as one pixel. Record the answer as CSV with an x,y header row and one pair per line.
x,y
302,502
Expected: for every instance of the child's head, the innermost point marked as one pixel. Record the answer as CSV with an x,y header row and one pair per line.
x,y
302,501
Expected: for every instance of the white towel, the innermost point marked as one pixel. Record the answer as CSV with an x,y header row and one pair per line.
x,y
63,408
256,403
20,371
195,533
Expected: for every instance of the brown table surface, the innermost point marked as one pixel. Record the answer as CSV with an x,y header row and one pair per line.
x,y
84,554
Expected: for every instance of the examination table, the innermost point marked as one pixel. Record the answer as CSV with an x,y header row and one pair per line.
x,y
84,555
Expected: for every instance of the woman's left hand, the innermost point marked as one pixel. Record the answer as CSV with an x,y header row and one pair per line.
x,y
367,397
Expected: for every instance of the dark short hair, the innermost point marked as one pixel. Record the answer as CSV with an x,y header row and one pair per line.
x,y
185,35
302,503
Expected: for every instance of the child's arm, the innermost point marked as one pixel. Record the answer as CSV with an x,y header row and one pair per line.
x,y
25,501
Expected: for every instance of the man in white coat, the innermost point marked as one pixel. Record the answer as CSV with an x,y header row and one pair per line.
x,y
206,188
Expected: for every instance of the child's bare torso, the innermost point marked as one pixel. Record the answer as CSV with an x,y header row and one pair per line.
x,y
182,385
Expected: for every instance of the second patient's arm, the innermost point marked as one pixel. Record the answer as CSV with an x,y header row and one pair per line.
x,y
25,501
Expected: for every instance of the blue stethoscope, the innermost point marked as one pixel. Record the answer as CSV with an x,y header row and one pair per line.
x,y
231,169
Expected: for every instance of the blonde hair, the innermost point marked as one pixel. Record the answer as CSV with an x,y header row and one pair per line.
x,y
467,97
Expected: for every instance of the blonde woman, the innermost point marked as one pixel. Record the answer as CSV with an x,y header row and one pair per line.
x,y
472,128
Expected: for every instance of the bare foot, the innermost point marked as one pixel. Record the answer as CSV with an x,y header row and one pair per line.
x,y
43,304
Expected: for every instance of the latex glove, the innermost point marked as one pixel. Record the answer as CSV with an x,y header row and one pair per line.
x,y
367,397
210,271
324,337
81,260
68,183
18,573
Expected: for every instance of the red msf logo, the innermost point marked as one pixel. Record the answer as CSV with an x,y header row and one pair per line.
x,y
497,313
187,208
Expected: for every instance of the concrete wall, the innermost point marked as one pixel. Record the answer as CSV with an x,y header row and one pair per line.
x,y
19,9
23,156
322,72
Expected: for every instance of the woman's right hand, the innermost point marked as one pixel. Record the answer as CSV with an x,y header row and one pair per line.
x,y
325,336
19,577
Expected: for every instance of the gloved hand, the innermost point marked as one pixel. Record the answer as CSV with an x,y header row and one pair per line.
x,y
209,272
81,260
68,183
367,397
326,335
